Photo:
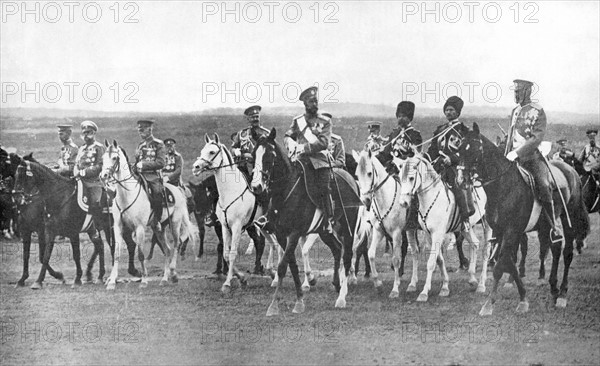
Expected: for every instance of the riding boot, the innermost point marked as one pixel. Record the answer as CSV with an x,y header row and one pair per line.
x,y
555,233
157,214
461,201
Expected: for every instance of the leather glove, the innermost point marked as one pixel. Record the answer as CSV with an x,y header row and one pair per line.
x,y
512,155
237,152
139,166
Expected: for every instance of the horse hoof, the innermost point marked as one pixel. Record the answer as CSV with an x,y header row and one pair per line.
x,y
197,259
561,302
88,277
299,307
444,292
422,298
144,284
174,279
340,303
272,273
411,288
473,283
134,272
313,282
394,295
273,309
480,289
225,289
378,283
76,284
163,282
305,288
487,309
523,307
98,281
111,286
37,286
20,284
274,283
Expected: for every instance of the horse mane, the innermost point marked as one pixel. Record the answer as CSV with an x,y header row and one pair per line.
x,y
39,168
280,150
227,153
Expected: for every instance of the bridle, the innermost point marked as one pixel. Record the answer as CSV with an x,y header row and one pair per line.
x,y
484,169
115,168
267,174
414,190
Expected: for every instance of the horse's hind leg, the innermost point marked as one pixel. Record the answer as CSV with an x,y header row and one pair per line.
x,y
26,236
259,246
396,260
473,247
336,251
45,261
485,257
98,250
523,245
306,243
544,247
131,246
414,244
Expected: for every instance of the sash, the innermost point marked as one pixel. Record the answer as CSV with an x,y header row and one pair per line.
x,y
307,132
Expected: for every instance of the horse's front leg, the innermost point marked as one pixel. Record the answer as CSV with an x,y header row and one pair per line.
x,y
26,236
50,236
396,262
118,244
411,235
167,251
561,302
376,238
140,239
437,238
74,239
306,243
288,255
473,242
485,256
227,244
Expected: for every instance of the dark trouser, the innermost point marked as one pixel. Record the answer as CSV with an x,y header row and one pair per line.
x,y
541,175
461,195
323,177
94,195
155,192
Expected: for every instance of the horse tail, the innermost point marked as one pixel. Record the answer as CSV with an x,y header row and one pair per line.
x,y
187,231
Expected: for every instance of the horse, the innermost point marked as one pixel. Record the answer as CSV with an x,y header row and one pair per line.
x,y
513,210
64,217
438,215
237,205
380,193
298,215
131,213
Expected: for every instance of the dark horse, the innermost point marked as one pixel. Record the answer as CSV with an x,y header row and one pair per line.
x,y
64,217
509,207
591,197
286,185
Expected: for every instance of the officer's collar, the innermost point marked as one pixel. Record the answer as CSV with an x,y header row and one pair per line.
x,y
90,144
149,138
68,142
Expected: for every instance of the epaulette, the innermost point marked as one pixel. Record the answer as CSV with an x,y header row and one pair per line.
x,y
334,136
298,117
324,118
157,140
265,129
536,106
72,144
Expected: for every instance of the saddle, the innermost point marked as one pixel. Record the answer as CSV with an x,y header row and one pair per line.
x,y
169,199
349,197
559,181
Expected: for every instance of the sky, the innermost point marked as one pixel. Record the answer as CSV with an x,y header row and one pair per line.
x,y
182,56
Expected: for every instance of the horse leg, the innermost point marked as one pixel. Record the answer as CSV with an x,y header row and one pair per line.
x,y
473,247
463,261
291,242
376,238
544,239
306,243
561,302
222,266
291,252
96,241
445,290
126,236
26,236
544,247
228,237
397,244
336,250
120,237
437,238
176,224
201,234
485,257
77,258
162,243
259,246
414,244
523,245
50,237
403,252
140,238
42,247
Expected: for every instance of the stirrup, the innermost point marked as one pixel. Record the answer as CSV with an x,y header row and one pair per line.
x,y
208,221
261,222
555,236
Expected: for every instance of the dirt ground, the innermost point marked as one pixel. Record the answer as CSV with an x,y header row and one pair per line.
x,y
193,323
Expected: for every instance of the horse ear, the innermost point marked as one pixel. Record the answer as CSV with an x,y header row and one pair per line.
x,y
105,143
273,133
476,128
206,138
217,138
115,143
355,155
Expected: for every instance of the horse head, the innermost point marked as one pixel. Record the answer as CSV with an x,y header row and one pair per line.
x,y
114,162
265,159
471,149
212,156
366,175
25,180
412,175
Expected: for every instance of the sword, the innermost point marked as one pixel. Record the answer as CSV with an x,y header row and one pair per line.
x,y
329,158
562,199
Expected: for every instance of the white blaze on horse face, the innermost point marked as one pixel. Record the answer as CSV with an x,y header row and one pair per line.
x,y
208,158
408,182
108,161
364,173
258,182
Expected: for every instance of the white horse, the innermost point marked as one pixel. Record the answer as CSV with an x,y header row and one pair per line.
x,y
237,207
131,213
380,191
438,215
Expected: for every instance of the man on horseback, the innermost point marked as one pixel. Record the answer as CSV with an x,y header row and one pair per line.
x,y
88,165
527,130
244,141
590,155
564,153
68,152
149,160
404,140
443,154
375,141
336,148
173,164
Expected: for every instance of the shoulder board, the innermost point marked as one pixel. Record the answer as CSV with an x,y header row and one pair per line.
x,y
265,129
157,140
298,117
334,136
72,144
324,118
96,143
535,105
177,153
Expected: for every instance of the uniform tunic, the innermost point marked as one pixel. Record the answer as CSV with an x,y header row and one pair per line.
x,y
407,137
375,142
152,155
89,163
67,158
338,152
318,130
173,167
243,140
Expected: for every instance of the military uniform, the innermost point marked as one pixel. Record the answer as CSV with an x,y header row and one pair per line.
x,y
405,139
445,142
67,159
375,142
564,154
89,166
338,152
172,169
243,140
590,155
527,130
151,154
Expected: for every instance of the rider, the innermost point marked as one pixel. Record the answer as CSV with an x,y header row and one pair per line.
x,y
375,141
564,153
443,154
88,165
68,152
527,130
590,155
336,148
173,164
404,140
244,142
150,159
